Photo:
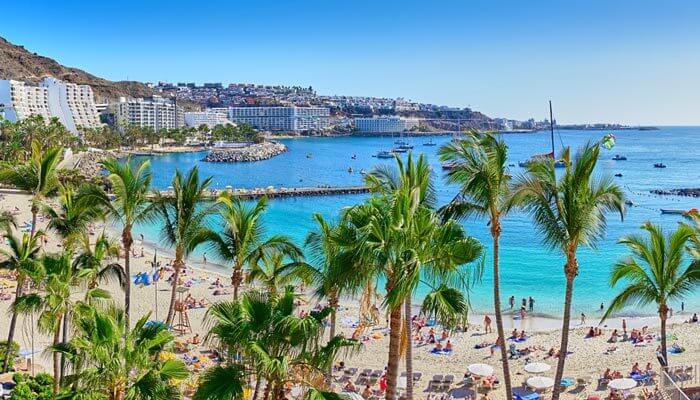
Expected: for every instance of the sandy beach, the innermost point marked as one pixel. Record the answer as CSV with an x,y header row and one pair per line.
x,y
589,358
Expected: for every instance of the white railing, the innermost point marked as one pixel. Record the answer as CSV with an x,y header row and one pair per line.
x,y
669,388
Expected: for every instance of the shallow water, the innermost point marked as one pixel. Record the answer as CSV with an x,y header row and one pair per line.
x,y
528,268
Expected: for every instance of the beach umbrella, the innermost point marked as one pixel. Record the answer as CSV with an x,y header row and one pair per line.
x,y
537,367
540,382
622,384
480,369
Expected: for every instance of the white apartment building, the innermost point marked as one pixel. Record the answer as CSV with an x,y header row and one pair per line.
x,y
72,104
285,119
157,113
384,124
210,118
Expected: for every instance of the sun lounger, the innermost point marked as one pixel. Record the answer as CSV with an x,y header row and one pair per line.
x,y
447,382
417,376
376,373
435,383
350,371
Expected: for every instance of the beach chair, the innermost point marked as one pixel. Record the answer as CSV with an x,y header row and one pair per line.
x,y
447,382
417,376
350,372
435,383
376,373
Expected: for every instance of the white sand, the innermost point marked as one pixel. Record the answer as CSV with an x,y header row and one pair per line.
x,y
588,358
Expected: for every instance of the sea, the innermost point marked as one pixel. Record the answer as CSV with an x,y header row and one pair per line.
x,y
528,269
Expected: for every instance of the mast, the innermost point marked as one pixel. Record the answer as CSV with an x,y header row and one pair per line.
x,y
551,126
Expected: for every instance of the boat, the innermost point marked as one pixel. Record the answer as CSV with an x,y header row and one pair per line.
x,y
309,155
537,157
400,142
405,147
354,157
618,175
619,158
449,166
672,211
143,153
362,171
399,149
385,154
629,202
429,143
350,170
659,165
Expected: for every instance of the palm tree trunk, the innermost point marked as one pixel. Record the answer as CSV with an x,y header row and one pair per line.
x,y
127,241
409,349
66,323
663,312
394,352
497,307
13,326
56,359
266,392
563,349
333,303
177,265
257,388
236,279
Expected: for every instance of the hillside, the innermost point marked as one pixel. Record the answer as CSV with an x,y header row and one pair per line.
x,y
18,63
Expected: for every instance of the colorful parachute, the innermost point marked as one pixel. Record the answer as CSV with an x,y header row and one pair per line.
x,y
608,141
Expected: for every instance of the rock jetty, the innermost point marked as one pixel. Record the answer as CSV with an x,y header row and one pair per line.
x,y
254,152
691,192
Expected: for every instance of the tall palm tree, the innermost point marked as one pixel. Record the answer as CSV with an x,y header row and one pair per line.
x,y
569,212
55,301
184,222
131,186
654,272
243,242
38,176
106,365
276,271
402,240
481,172
22,258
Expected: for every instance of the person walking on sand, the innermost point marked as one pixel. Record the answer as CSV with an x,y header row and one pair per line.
x,y
204,258
602,307
624,326
511,302
583,319
487,324
532,303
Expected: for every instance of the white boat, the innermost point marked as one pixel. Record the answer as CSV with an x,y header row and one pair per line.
x,y
385,154
537,157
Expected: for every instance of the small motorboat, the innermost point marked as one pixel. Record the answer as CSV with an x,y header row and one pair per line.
x,y
449,166
385,154
309,155
672,211
362,172
399,149
619,175
659,165
350,170
619,158
629,202
429,143
354,157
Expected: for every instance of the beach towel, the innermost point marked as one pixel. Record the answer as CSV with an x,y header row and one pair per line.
x,y
443,352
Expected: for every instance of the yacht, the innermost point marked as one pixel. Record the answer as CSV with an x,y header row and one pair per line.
x,y
536,157
619,158
385,154
429,143
659,165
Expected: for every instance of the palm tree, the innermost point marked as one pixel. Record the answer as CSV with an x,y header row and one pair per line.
x,y
21,257
277,271
130,207
279,346
569,212
480,171
74,215
106,365
654,272
91,263
243,242
184,222
56,274
397,236
38,176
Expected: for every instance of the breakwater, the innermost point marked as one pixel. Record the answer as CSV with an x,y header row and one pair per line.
x,y
689,192
253,152
271,192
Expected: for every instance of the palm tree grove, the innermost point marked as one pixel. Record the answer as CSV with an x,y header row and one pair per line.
x,y
116,289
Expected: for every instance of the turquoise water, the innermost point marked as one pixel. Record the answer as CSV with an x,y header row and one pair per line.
x,y
528,269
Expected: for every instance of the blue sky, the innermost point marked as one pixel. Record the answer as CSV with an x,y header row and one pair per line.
x,y
634,62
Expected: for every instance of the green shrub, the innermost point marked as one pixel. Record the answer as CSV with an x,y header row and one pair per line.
x,y
39,387
14,352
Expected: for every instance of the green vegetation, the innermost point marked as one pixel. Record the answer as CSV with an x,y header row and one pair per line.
x,y
39,387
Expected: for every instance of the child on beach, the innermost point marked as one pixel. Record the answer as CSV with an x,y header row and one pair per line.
x,y
487,324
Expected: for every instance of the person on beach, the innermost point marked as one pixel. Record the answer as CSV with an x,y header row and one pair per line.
x,y
350,387
531,302
524,302
487,324
204,258
583,319
694,319
624,326
511,302
602,307
367,393
523,314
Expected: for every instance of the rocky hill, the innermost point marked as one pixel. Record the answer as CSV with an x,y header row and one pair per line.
x,y
18,63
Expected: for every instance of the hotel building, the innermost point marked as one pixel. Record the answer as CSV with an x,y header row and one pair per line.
x,y
384,124
210,118
73,105
285,119
157,113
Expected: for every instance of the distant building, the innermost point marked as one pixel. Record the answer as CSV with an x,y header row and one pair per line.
x,y
210,118
157,113
282,119
73,105
384,124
